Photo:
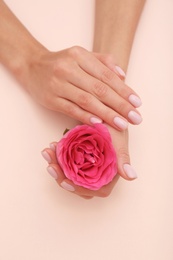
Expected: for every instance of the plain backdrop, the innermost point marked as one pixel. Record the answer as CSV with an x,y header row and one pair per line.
x,y
39,220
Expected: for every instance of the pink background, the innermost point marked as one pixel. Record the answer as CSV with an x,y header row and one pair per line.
x,y
38,220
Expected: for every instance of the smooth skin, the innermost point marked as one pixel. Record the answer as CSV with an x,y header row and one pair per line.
x,y
85,85
50,76
115,26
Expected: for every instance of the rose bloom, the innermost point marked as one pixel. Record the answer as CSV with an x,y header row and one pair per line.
x,y
87,156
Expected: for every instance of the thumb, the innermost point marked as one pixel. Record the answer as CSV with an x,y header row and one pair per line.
x,y
120,143
125,170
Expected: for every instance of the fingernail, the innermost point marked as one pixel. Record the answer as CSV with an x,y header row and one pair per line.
x,y
67,186
95,120
52,146
120,71
52,172
135,117
122,124
46,156
135,101
130,171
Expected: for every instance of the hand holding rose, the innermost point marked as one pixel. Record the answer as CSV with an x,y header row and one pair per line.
x,y
120,143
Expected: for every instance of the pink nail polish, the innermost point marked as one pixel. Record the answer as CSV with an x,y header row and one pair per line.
x,y
46,156
122,124
67,186
52,172
130,171
52,146
135,117
120,71
135,101
95,120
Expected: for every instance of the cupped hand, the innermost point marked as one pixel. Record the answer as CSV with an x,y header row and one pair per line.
x,y
125,170
83,85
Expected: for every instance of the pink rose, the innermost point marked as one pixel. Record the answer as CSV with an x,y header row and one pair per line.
x,y
87,157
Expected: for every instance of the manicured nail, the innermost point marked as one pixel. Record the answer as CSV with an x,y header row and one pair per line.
x,y
120,71
130,171
135,117
122,124
46,156
67,186
52,146
135,101
52,172
95,120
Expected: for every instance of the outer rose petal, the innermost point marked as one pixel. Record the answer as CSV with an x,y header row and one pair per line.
x,y
99,163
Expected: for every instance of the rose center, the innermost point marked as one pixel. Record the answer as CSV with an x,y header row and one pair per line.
x,y
89,158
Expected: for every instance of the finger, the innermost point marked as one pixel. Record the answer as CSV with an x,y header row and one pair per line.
x,y
103,93
89,103
49,155
53,146
108,60
75,111
86,197
56,172
79,112
54,169
98,70
120,143
86,102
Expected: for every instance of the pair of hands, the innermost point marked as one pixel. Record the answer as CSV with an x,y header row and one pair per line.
x,y
88,87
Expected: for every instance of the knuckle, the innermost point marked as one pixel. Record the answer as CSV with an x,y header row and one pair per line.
x,y
70,109
59,67
56,68
75,51
107,75
100,89
124,91
53,87
47,100
64,68
121,106
109,58
123,152
84,100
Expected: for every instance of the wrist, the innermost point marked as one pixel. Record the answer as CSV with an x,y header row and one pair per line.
x,y
24,59
115,25
17,46
119,54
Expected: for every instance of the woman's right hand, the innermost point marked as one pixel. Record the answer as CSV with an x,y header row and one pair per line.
x,y
83,85
125,170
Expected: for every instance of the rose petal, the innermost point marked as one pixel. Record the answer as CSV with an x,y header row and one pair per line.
x,y
87,156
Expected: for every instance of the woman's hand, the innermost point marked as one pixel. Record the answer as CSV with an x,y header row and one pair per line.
x,y
83,85
120,142
76,82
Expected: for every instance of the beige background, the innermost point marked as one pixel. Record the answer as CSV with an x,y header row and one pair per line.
x,y
40,221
